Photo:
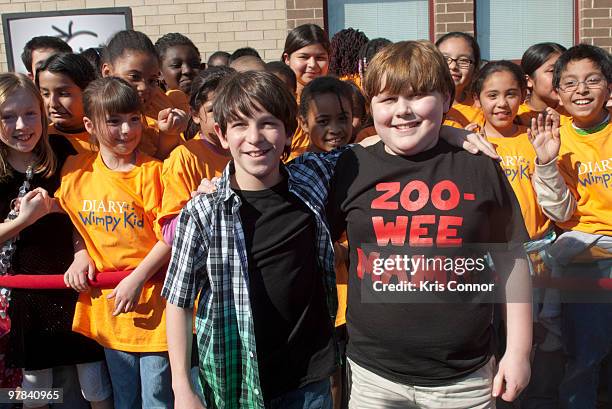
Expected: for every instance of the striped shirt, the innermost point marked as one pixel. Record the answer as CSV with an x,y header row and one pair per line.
x,y
209,258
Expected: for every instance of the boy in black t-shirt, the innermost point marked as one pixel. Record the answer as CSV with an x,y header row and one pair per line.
x,y
420,216
259,255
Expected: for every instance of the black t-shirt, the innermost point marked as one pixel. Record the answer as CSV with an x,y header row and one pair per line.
x,y
41,333
293,330
33,254
438,205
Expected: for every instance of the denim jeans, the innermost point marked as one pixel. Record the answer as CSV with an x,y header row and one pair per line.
x,y
316,395
587,340
140,380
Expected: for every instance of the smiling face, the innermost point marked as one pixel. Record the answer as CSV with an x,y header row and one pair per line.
x,y
63,100
584,104
256,145
459,49
139,69
408,124
308,63
22,126
329,122
119,135
541,85
205,119
181,63
500,99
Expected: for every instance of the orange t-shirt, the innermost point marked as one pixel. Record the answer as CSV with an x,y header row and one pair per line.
x,y
354,78
186,166
81,141
460,115
178,99
342,286
525,114
365,133
299,144
585,162
115,213
518,162
150,136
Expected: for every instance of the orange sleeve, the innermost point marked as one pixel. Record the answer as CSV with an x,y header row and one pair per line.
x,y
178,99
181,175
342,286
152,195
150,136
299,143
461,115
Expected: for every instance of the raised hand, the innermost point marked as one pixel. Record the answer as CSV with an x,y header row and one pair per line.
x,y
172,121
544,136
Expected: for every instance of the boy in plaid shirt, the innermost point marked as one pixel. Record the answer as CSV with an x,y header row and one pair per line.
x,y
259,253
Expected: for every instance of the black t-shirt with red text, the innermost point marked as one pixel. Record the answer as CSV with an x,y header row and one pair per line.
x,y
418,229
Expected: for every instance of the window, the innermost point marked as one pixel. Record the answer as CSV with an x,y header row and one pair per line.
x,y
506,28
396,20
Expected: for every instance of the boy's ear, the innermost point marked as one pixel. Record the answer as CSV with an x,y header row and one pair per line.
x,y
221,137
286,58
89,126
303,124
106,70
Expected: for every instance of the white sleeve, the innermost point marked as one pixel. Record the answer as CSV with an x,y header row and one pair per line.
x,y
554,197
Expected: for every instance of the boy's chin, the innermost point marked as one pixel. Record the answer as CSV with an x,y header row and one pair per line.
x,y
409,149
587,121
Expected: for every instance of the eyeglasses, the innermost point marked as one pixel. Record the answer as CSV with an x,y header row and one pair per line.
x,y
462,62
572,85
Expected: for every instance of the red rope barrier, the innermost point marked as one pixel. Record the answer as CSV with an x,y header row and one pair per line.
x,y
108,279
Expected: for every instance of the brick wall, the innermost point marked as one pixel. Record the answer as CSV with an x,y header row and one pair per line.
x,y
453,15
596,23
211,24
304,11
263,24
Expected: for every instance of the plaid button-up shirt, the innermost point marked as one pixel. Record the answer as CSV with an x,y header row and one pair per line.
x,y
209,258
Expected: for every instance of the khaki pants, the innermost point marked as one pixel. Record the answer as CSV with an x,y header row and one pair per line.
x,y
370,391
